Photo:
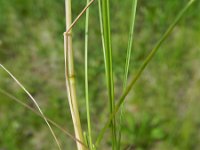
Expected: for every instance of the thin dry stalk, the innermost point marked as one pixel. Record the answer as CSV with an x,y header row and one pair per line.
x,y
35,102
38,114
70,77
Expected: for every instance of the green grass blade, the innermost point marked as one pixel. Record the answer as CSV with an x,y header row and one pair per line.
x,y
127,64
101,28
86,80
130,43
108,61
146,62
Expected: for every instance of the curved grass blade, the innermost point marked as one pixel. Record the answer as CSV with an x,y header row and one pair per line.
x,y
140,71
35,102
38,114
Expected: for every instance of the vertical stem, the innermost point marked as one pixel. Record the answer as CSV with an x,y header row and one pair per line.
x,y
108,61
70,77
86,80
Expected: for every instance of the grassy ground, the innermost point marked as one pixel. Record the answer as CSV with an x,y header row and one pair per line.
x,y
161,111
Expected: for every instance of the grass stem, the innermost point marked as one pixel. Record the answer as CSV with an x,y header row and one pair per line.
x,y
108,62
70,76
86,79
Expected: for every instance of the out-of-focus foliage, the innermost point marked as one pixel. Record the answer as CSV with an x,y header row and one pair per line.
x,y
161,112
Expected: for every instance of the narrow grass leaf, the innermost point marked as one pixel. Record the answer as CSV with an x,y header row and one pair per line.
x,y
108,62
128,57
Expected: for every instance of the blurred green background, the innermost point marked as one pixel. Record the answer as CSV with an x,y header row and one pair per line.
x,y
161,112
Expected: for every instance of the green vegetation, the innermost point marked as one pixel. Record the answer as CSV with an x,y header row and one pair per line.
x,y
161,112
105,9
90,145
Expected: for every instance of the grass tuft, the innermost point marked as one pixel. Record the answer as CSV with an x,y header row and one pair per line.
x,y
140,71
